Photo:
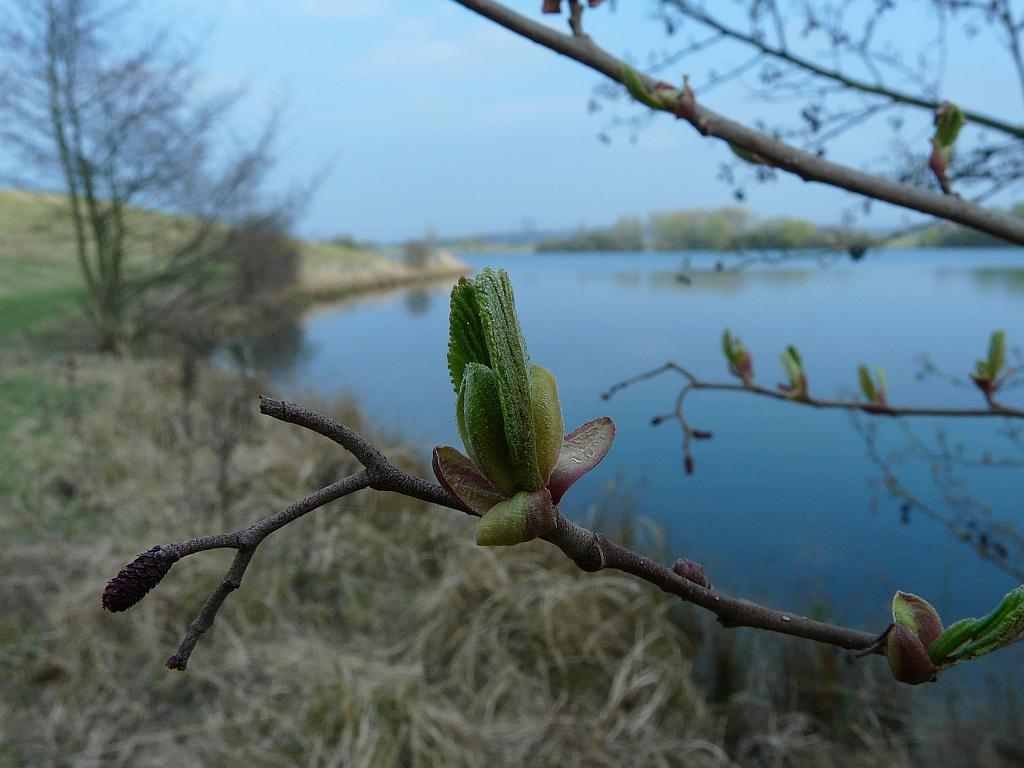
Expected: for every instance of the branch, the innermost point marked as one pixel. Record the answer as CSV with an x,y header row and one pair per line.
x,y
805,165
781,53
690,434
590,551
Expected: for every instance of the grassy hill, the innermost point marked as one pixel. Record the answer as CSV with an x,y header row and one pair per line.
x,y
40,279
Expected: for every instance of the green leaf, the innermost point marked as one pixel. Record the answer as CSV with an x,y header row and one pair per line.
x,y
729,346
953,638
507,353
793,366
996,353
523,517
547,419
484,429
466,342
795,355
998,629
867,386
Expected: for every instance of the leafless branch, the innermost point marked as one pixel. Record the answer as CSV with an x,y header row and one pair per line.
x,y
781,53
589,550
693,383
807,166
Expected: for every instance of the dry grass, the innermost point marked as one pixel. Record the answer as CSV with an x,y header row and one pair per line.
x,y
372,633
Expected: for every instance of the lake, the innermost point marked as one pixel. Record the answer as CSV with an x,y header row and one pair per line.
x,y
786,505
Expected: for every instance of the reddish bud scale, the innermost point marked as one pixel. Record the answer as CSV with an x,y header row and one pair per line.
x,y
691,571
134,581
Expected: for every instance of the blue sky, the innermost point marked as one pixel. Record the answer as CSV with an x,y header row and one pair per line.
x,y
430,117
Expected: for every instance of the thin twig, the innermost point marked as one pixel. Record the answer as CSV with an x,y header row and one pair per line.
x,y
781,53
693,383
590,551
806,166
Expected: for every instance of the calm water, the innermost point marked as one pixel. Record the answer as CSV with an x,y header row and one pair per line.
x,y
784,505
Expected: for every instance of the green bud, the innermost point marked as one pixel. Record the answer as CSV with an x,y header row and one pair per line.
x,y
794,367
547,419
916,625
917,615
949,119
867,386
637,90
523,517
996,353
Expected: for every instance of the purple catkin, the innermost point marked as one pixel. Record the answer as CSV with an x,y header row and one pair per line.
x,y
134,581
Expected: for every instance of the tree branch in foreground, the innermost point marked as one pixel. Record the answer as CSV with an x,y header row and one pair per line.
x,y
807,166
781,53
589,550
693,383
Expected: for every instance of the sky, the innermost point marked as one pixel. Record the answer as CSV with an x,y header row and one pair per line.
x,y
422,116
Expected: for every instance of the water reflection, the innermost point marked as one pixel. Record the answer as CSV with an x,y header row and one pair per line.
x,y
417,301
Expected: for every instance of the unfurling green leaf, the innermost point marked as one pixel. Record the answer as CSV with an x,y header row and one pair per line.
x,y
466,343
484,430
740,363
507,351
952,639
986,375
874,392
796,387
867,386
970,638
523,517
510,420
996,353
949,119
547,419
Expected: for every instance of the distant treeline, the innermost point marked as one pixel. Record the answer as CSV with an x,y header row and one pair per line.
x,y
722,229
949,235
732,228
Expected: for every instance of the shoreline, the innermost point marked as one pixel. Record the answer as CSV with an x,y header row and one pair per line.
x,y
328,283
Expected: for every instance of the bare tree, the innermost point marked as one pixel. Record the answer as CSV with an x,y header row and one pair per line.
x,y
119,127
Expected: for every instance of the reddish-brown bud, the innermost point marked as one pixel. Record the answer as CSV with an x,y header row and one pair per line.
x,y
908,658
691,571
134,581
